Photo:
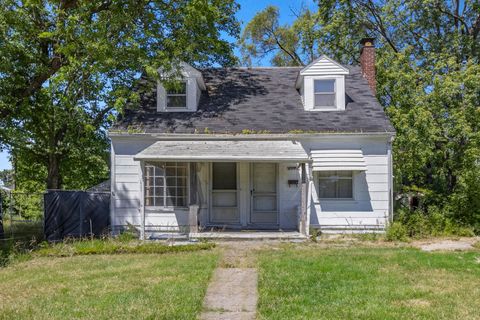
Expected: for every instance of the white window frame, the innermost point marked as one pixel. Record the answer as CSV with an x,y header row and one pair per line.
x,y
187,185
177,95
192,93
308,93
325,93
317,183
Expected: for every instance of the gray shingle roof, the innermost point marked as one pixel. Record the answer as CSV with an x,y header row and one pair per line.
x,y
260,99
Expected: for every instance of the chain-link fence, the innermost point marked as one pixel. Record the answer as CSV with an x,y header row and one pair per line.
x,y
21,216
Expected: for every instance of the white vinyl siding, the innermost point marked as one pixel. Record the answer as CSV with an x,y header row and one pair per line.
x,y
369,206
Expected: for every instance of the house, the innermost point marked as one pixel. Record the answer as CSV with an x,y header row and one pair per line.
x,y
275,148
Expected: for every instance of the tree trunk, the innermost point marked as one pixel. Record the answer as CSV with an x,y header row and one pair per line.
x,y
54,180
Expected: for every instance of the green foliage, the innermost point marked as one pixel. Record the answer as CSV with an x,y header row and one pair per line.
x,y
250,131
368,236
70,67
314,233
22,205
128,235
433,223
6,177
396,231
428,80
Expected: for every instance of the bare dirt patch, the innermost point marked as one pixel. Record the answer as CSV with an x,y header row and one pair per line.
x,y
460,244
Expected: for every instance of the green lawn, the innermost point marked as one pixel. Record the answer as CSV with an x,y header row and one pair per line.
x,y
307,282
129,286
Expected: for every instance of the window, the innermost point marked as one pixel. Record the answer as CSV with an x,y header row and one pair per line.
x,y
325,95
166,184
224,176
176,95
335,185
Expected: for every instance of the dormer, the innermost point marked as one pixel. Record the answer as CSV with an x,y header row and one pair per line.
x,y
180,93
322,85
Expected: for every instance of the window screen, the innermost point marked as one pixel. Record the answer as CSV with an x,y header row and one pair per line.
x,y
324,91
176,95
224,176
166,184
335,184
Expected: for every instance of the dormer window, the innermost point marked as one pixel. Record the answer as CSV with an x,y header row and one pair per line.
x,y
324,91
322,85
177,95
180,92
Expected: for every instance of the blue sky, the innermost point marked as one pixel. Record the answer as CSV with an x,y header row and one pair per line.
x,y
248,8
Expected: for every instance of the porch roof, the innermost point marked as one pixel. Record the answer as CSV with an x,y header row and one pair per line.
x,y
225,150
338,160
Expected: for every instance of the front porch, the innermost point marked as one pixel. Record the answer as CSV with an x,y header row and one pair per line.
x,y
227,235
258,235
226,189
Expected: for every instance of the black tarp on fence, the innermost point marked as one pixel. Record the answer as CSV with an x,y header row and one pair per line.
x,y
76,214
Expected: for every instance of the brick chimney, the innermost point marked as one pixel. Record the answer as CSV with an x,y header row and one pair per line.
x,y
367,62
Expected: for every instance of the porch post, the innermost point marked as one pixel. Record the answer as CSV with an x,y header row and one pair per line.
x,y
193,218
142,200
194,203
303,212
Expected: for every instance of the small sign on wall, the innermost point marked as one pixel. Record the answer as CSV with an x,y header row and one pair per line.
x,y
293,176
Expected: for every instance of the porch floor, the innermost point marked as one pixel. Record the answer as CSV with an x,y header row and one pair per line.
x,y
249,235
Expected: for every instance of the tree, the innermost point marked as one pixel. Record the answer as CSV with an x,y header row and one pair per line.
x,y
428,78
68,66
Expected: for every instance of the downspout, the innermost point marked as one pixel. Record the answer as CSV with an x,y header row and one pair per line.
x,y
390,179
112,188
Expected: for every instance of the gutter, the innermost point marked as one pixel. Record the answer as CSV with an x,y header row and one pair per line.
x,y
239,136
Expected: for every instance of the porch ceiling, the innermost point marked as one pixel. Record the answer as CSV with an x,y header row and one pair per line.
x,y
225,150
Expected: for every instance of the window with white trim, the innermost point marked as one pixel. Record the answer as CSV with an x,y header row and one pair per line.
x,y
324,93
335,184
166,184
176,95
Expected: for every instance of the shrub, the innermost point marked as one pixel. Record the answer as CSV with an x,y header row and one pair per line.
x,y
431,222
396,231
314,232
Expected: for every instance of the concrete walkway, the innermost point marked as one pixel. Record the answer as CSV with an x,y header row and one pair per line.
x,y
232,293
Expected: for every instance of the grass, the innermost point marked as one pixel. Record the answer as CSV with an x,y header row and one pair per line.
x,y
20,229
142,286
307,282
113,246
20,238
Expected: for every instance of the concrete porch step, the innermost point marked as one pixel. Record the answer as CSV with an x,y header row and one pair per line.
x,y
249,235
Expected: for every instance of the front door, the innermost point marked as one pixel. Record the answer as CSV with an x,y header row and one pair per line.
x,y
263,192
224,199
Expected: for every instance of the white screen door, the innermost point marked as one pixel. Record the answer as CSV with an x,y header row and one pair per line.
x,y
264,194
224,209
